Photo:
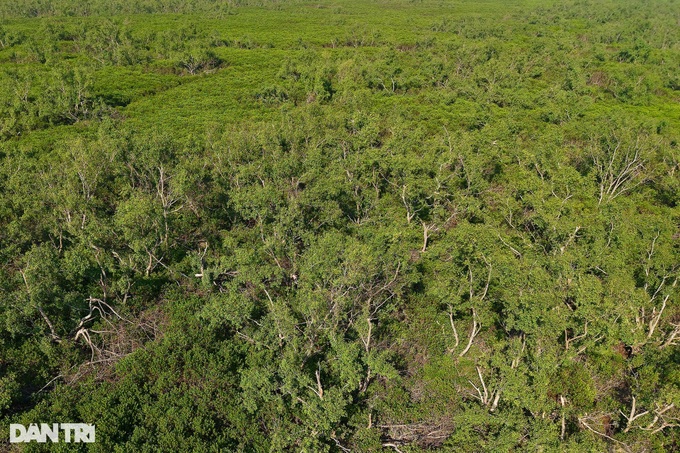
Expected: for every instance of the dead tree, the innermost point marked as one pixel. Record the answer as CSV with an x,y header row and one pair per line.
x,y
588,420
427,228
488,399
476,325
634,415
104,311
563,424
167,199
474,331
618,170
53,333
410,211
673,336
664,417
568,341
318,391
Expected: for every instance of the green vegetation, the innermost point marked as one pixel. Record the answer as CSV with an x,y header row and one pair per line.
x,y
341,225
